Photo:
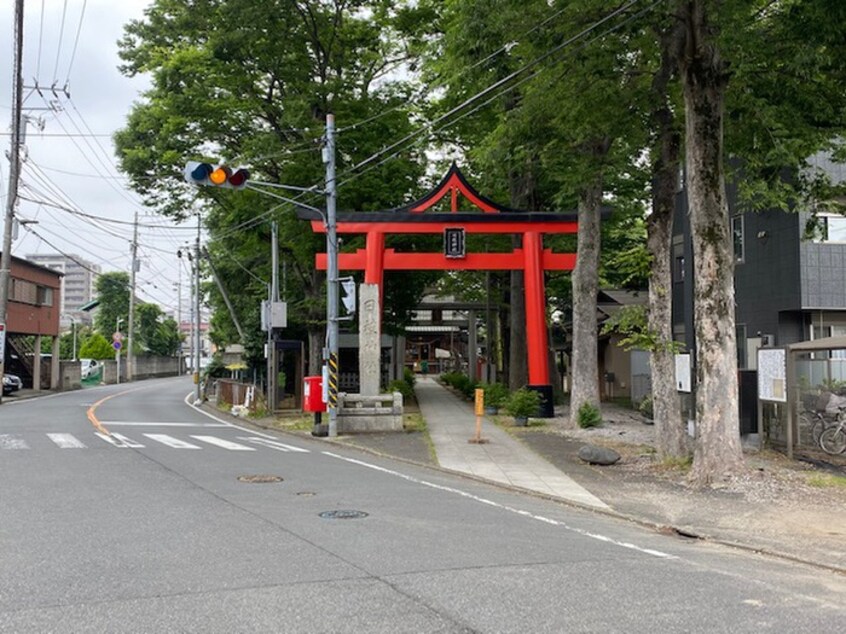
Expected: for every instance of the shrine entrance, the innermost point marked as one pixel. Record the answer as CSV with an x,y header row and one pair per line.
x,y
490,218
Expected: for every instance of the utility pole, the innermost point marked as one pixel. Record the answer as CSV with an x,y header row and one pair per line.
x,y
331,354
130,362
197,345
14,175
272,377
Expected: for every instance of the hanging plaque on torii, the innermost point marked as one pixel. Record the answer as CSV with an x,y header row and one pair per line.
x,y
490,218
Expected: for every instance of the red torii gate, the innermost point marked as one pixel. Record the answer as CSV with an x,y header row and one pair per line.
x,y
532,258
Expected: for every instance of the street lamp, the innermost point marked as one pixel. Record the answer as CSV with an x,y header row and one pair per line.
x,y
73,330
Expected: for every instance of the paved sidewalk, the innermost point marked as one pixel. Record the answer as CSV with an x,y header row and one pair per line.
x,y
504,459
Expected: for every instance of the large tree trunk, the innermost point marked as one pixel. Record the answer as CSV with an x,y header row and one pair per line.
x,y
717,452
670,432
585,279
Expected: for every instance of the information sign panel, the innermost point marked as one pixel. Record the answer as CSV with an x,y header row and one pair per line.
x,y
772,375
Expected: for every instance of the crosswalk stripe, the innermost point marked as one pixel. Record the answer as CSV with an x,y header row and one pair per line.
x,y
170,441
66,441
122,423
7,441
279,446
226,444
128,442
111,440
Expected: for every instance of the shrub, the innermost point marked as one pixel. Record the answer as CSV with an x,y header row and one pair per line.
x,y
523,403
495,394
589,416
408,376
402,387
645,407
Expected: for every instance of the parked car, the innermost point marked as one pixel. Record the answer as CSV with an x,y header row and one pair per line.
x,y
11,383
88,367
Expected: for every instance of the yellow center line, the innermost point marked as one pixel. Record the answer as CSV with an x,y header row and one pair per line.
x,y
93,417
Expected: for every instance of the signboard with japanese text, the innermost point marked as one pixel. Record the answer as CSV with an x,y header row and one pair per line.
x,y
772,375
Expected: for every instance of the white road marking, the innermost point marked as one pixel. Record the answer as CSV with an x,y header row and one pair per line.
x,y
220,420
111,440
279,446
7,441
540,518
226,444
114,423
170,441
128,442
66,441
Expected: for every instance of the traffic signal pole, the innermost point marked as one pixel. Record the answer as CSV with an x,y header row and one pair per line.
x,y
331,355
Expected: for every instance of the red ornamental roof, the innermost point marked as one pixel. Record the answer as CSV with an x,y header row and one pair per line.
x,y
491,217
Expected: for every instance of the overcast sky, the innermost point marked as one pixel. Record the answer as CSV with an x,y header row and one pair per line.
x,y
72,159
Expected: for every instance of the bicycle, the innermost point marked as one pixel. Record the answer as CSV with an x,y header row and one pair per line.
x,y
833,439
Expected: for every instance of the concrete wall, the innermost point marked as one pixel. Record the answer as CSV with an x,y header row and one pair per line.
x,y
69,376
146,367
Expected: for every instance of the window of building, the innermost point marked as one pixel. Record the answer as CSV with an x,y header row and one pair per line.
x,y
45,296
737,236
830,228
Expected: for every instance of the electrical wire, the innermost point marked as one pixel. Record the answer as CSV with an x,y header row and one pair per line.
x,y
40,40
59,47
76,40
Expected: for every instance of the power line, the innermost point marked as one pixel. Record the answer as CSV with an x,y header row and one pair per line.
x,y
76,40
59,47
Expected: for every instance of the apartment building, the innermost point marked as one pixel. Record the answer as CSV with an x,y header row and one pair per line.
x,y
78,282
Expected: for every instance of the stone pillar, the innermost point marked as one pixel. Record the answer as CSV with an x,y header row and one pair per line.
x,y
472,345
36,364
369,345
55,364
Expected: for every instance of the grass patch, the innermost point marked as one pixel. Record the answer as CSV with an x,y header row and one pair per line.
x,y
295,422
413,421
827,481
682,464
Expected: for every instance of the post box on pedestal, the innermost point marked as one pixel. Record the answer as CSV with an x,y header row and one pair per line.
x,y
313,394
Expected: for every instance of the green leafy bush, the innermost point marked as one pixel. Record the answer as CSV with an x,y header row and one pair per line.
x,y
589,416
495,394
408,376
402,387
645,407
523,403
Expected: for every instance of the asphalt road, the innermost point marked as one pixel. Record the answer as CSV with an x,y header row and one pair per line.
x,y
149,529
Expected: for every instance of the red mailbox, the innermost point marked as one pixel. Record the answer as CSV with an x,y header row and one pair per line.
x,y
313,394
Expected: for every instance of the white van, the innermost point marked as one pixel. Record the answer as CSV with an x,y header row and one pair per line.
x,y
88,367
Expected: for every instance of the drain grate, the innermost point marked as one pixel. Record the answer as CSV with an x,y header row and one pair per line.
x,y
343,515
259,479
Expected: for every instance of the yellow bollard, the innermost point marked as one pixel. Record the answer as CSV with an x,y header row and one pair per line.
x,y
480,410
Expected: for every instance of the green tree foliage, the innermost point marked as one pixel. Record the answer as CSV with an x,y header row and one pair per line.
x,y
97,347
113,293
157,334
255,92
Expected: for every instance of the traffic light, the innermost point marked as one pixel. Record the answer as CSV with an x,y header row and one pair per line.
x,y
198,173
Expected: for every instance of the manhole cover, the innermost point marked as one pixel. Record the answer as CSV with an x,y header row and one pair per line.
x,y
343,515
258,479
